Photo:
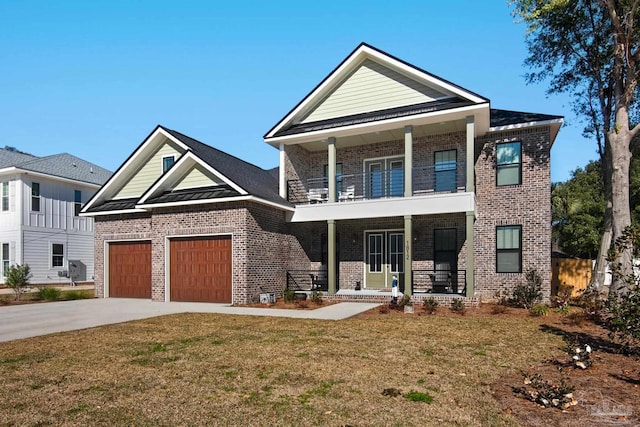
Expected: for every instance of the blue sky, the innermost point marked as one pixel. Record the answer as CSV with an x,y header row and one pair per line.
x,y
93,78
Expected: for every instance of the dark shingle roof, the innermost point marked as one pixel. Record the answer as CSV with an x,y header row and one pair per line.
x,y
115,205
216,192
254,180
391,113
508,117
61,165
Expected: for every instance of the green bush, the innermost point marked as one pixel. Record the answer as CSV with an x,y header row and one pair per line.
x,y
539,310
622,318
430,305
457,306
316,298
289,295
526,295
49,293
80,294
17,278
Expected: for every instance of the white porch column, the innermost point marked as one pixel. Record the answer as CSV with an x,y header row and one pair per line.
x,y
408,161
408,256
331,175
470,274
282,175
470,155
331,256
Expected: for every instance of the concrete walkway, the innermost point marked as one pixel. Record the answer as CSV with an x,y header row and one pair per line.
x,y
31,320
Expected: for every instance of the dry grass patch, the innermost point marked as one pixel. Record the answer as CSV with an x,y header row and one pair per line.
x,y
199,369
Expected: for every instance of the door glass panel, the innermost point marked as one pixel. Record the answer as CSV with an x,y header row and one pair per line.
x,y
445,167
396,178
376,180
375,253
396,253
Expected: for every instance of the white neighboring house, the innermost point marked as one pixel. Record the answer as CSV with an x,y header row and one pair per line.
x,y
40,202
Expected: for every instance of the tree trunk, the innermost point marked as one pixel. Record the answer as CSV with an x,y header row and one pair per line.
x,y
599,273
619,140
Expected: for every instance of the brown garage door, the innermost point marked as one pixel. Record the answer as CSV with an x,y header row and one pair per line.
x,y
130,269
201,269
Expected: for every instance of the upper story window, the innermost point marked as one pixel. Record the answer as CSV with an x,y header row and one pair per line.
x,y
4,205
509,163
167,162
35,197
57,255
445,168
509,249
77,202
5,258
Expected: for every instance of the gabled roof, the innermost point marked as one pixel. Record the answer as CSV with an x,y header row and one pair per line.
x,y
241,179
294,121
62,165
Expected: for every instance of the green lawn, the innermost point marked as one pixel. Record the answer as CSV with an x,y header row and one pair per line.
x,y
200,369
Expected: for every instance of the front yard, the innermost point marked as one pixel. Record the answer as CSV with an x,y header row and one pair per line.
x,y
199,369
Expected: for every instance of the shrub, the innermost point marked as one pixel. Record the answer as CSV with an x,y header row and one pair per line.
x,y
539,310
302,304
17,278
622,318
430,305
289,295
562,300
580,355
503,297
525,295
406,300
499,309
74,295
49,293
545,393
316,298
457,306
383,309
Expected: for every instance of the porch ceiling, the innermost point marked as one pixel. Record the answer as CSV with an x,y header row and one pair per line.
x,y
389,135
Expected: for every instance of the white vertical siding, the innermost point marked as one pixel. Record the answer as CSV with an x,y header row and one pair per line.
x,y
149,172
373,87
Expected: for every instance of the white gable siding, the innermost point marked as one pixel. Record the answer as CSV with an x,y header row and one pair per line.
x,y
197,177
373,87
149,172
57,201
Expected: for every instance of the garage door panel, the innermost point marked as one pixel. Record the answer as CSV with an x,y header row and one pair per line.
x,y
200,269
130,269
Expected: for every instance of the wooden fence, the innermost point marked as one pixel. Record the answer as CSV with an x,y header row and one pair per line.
x,y
570,272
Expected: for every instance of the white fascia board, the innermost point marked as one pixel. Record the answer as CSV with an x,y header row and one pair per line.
x,y
215,201
555,124
124,211
14,170
378,126
526,125
384,208
121,171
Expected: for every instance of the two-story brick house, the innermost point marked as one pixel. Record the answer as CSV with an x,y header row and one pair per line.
x,y
40,223
386,171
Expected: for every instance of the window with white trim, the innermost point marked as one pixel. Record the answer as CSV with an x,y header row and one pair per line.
x,y
167,162
57,255
509,163
509,249
4,205
5,258
35,197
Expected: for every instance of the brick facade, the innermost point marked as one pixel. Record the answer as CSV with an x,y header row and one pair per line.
x,y
265,245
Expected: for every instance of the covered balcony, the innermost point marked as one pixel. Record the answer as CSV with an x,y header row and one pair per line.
x,y
379,184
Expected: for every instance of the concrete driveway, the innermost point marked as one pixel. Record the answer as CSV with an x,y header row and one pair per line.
x,y
31,320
